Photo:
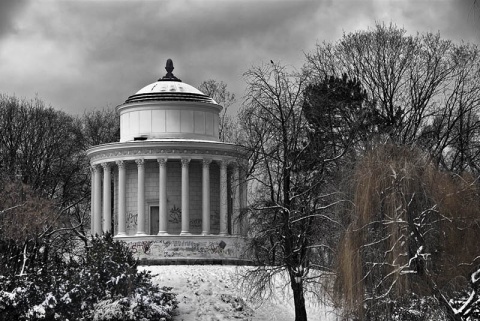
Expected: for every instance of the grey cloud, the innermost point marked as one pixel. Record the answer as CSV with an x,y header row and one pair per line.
x,y
8,12
117,47
468,22
124,46
202,26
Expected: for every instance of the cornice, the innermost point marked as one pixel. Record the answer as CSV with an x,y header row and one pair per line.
x,y
168,149
168,105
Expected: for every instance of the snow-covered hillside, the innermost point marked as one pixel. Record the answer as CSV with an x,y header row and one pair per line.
x,y
211,292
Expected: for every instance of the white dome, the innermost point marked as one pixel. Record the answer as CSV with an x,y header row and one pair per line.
x,y
169,109
169,86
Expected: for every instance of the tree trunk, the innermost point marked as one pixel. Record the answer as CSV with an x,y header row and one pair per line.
x,y
441,299
299,299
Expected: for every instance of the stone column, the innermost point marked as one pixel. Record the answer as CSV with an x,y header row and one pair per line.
x,y
107,200
206,197
114,201
223,198
185,198
236,201
92,201
162,197
141,197
98,200
243,197
122,214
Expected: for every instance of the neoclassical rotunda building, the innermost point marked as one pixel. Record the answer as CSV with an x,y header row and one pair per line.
x,y
169,187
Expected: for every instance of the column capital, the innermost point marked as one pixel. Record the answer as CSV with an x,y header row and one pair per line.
x,y
162,161
106,166
120,163
224,163
95,167
140,162
235,163
185,161
206,162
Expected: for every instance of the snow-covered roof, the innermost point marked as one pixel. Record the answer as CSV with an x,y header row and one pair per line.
x,y
169,88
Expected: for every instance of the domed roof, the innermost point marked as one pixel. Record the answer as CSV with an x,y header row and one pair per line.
x,y
169,88
163,86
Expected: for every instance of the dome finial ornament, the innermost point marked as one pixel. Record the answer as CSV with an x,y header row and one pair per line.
x,y
169,76
169,67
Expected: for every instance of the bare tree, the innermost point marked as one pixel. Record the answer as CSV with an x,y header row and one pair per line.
x,y
43,147
218,92
25,219
423,87
42,151
100,126
289,204
402,233
412,234
454,134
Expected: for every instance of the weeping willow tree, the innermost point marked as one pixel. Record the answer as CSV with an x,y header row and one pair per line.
x,y
412,234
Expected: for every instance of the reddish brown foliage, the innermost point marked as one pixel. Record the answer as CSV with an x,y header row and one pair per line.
x,y
413,229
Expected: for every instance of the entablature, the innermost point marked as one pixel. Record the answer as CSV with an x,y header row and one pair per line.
x,y
172,149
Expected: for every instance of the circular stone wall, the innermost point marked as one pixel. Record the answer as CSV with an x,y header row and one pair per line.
x,y
172,119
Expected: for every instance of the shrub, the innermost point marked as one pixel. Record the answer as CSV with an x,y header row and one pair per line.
x,y
103,285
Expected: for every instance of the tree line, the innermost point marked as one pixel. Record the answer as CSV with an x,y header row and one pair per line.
x,y
363,169
45,272
45,180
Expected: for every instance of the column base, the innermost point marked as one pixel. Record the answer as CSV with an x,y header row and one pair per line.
x,y
140,234
204,233
185,233
162,233
223,234
121,234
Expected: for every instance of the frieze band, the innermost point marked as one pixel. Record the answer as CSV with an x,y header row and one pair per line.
x,y
138,152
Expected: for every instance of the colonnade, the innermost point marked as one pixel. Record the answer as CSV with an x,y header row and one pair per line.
x,y
98,211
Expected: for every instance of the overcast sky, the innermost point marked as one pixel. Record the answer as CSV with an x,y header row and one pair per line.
x,y
81,55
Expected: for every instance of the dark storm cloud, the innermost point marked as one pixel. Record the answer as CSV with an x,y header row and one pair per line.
x,y
89,54
123,46
8,12
468,22
456,20
136,31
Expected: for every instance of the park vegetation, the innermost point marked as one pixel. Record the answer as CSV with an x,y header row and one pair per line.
x,y
45,272
364,170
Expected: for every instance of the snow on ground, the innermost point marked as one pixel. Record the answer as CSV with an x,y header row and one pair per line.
x,y
211,293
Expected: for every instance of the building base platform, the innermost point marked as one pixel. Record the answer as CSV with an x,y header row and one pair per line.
x,y
187,249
